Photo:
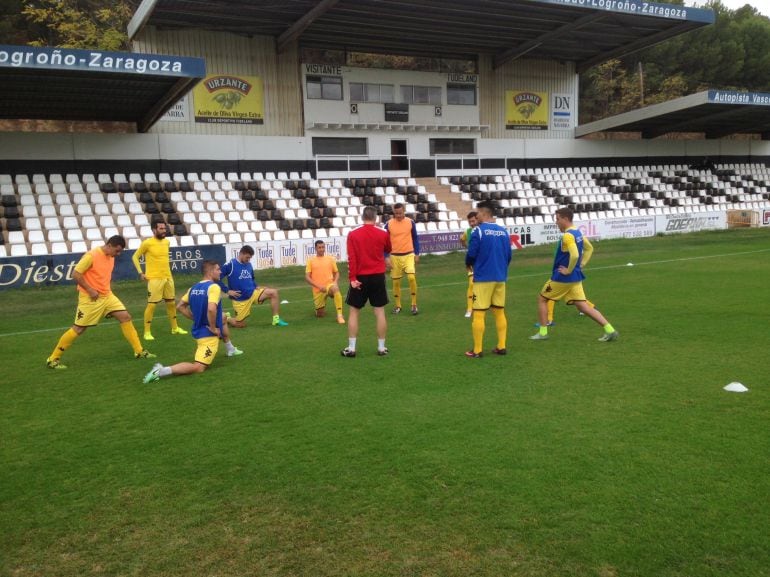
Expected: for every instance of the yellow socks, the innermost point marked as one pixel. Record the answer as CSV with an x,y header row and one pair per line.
x,y
149,312
412,288
130,334
501,323
64,343
171,312
397,292
338,302
477,328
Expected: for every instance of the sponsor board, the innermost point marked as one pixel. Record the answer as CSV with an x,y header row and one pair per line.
x,y
51,270
283,253
629,227
674,223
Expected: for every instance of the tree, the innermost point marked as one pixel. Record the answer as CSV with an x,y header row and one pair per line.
x,y
98,24
732,54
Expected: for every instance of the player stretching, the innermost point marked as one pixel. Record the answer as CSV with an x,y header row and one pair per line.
x,y
203,305
244,292
322,274
572,253
97,301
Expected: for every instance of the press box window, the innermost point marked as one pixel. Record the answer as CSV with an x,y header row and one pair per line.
x,y
452,146
421,95
362,92
461,94
324,87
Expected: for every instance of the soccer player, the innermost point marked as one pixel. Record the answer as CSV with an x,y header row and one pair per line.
x,y
322,274
160,283
367,246
566,283
405,255
203,305
464,238
243,290
489,255
96,301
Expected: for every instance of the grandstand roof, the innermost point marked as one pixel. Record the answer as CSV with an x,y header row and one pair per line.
x,y
586,32
716,113
66,84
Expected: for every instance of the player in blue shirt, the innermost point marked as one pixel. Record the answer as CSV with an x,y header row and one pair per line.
x,y
489,255
566,283
243,290
202,304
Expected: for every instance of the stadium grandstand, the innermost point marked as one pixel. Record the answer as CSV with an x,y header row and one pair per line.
x,y
274,127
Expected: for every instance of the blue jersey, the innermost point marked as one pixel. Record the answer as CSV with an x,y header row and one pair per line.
x,y
240,277
199,296
489,253
571,236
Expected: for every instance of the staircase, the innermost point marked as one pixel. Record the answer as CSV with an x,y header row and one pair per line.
x,y
444,194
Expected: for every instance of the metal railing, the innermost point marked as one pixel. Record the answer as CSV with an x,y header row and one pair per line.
x,y
462,164
362,164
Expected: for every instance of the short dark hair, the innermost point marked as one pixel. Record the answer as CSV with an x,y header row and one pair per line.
x,y
398,205
208,264
316,243
487,206
157,222
565,212
471,214
369,214
246,249
117,240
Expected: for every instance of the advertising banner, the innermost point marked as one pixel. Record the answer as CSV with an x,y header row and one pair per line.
x,y
179,112
526,110
672,223
20,272
630,227
562,111
229,99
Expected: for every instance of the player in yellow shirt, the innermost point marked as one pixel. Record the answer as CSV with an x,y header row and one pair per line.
x,y
93,275
160,283
322,274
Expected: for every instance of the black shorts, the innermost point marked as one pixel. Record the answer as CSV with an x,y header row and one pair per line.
x,y
372,290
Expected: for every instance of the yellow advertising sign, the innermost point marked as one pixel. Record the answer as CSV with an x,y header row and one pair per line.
x,y
526,110
229,99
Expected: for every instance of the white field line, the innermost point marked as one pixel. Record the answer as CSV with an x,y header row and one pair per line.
x,y
514,276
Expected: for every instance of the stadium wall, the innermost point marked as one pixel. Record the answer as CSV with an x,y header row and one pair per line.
x,y
20,272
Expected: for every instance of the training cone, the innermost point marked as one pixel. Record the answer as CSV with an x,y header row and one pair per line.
x,y
735,388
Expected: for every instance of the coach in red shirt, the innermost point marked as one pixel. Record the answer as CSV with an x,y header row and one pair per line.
x,y
367,246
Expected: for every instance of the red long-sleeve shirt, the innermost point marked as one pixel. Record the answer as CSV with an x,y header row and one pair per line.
x,y
367,246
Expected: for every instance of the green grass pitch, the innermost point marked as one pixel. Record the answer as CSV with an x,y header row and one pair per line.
x,y
567,457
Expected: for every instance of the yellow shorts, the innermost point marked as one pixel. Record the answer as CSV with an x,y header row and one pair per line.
x,y
207,350
243,308
401,264
488,294
160,289
567,291
319,298
89,313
